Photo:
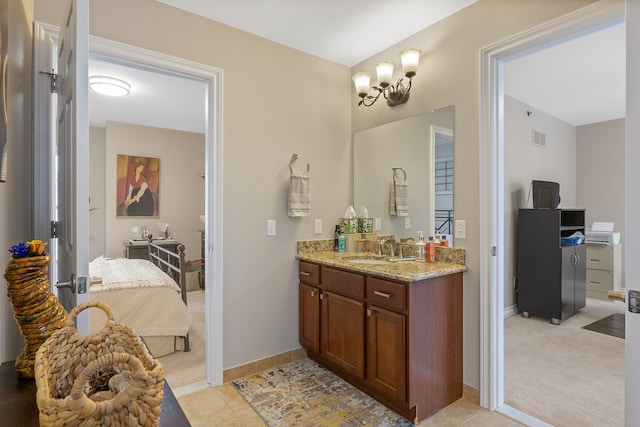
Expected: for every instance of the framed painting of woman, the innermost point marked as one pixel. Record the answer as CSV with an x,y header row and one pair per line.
x,y
138,180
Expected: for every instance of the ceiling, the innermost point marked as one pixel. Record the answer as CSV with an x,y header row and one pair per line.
x,y
579,81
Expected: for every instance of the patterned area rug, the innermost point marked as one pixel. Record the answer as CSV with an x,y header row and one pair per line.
x,y
303,393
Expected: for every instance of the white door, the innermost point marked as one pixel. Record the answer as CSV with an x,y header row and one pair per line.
x,y
632,244
73,158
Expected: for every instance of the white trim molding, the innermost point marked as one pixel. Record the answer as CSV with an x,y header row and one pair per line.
x,y
580,22
212,78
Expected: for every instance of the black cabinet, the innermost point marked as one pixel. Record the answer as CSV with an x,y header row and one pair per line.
x,y
551,276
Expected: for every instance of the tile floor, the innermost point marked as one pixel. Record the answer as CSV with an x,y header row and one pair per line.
x,y
223,406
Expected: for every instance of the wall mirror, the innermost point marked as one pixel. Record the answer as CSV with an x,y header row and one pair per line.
x,y
422,146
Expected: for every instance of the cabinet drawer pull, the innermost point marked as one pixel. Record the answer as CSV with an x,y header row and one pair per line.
x,y
304,273
594,260
382,294
594,283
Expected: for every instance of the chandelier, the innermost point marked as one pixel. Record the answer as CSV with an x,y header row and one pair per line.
x,y
395,94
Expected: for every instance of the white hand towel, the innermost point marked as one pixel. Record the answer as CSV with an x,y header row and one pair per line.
x,y
299,195
401,201
392,200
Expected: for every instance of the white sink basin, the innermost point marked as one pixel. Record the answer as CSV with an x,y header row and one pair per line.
x,y
367,261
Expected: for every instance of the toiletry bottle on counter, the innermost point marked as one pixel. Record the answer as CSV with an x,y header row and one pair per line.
x,y
420,244
430,250
342,243
335,240
444,241
437,240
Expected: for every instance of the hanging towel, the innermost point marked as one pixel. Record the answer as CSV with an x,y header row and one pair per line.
x,y
392,200
299,195
401,202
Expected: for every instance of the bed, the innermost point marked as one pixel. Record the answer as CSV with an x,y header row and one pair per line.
x,y
148,295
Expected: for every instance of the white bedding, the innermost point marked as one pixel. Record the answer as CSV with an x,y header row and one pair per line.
x,y
142,297
124,273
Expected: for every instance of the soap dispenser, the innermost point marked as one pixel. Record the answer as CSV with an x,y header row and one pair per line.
x,y
421,247
342,243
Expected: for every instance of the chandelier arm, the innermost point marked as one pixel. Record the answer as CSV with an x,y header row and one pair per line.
x,y
402,87
372,100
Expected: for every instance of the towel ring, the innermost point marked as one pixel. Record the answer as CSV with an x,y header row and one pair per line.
x,y
295,157
395,171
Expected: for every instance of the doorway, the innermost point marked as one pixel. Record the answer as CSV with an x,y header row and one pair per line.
x,y
493,281
211,78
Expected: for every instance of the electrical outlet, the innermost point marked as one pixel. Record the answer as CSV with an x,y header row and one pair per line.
x,y
271,227
378,224
318,226
407,223
460,229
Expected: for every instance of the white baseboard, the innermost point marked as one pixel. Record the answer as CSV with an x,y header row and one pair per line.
x,y
510,311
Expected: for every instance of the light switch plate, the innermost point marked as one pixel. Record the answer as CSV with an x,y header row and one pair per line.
x,y
377,224
407,223
271,227
318,226
460,229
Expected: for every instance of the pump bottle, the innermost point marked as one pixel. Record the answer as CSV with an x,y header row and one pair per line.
x,y
421,247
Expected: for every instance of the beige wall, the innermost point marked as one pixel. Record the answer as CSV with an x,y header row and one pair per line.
x,y
15,194
181,189
524,162
450,74
278,101
600,173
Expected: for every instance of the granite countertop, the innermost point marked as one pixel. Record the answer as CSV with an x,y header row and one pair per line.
x,y
406,271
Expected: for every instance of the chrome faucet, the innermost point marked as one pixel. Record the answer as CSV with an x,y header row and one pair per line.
x,y
381,244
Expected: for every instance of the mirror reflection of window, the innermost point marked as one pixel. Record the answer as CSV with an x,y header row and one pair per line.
x,y
443,183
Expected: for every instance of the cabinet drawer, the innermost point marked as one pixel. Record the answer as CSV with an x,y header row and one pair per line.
x,y
599,280
386,294
343,282
309,273
600,257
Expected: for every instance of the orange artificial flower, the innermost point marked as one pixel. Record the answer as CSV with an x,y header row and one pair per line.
x,y
36,247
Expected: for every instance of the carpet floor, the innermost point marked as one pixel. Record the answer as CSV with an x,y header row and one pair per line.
x,y
564,374
182,368
303,393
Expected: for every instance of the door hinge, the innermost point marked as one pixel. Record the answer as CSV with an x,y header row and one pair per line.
x,y
54,229
494,250
54,87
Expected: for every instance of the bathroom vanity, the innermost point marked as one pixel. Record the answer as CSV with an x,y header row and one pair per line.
x,y
392,329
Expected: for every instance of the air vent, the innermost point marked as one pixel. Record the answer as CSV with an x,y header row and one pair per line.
x,y
539,139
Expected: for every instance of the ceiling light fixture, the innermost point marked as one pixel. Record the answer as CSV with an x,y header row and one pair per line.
x,y
394,94
109,86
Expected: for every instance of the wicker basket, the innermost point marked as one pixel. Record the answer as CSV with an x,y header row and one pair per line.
x,y
106,379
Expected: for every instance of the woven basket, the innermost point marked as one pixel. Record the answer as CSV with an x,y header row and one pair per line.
x,y
106,379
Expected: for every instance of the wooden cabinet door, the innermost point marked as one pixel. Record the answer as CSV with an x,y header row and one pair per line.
x,y
309,329
342,332
386,352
